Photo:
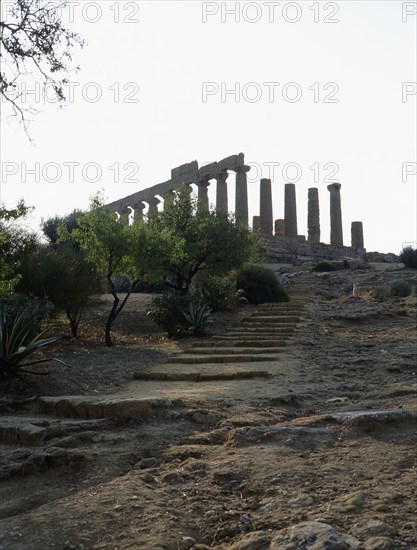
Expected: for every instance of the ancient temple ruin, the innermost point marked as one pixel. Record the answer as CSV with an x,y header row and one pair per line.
x,y
283,233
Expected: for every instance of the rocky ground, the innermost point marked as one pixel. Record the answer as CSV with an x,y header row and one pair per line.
x,y
294,429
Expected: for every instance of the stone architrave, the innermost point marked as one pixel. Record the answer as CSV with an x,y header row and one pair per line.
x,y
290,211
221,191
313,219
357,235
280,228
203,202
265,207
241,209
256,223
336,231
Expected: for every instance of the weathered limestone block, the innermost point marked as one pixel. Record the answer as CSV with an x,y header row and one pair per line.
x,y
371,290
139,207
221,191
203,202
290,211
336,231
313,219
357,234
153,204
184,169
241,209
208,171
280,228
266,207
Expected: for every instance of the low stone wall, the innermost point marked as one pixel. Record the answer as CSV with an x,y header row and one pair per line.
x,y
284,249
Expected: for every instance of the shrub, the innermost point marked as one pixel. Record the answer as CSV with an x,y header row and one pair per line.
x,y
17,341
400,288
408,257
322,266
63,276
260,285
167,308
218,292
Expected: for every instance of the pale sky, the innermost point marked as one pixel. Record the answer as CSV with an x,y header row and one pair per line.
x,y
317,89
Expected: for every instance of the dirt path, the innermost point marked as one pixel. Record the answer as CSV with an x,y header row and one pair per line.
x,y
313,446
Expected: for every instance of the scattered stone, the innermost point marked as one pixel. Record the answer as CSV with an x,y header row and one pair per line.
x,y
373,528
395,267
314,535
205,418
379,543
186,543
351,503
297,437
357,418
302,501
257,540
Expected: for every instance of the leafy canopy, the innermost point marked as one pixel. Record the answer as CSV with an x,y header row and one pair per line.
x,y
182,240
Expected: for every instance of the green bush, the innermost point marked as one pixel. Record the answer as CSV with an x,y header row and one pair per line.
x,y
218,292
167,309
63,276
323,266
260,285
400,288
408,257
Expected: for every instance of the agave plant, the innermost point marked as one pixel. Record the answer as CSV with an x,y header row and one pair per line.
x,y
198,316
17,342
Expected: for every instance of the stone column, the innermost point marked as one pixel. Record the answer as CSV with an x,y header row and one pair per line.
x,y
336,231
123,216
313,219
221,192
241,210
290,211
357,234
256,223
139,207
280,228
153,204
203,202
265,207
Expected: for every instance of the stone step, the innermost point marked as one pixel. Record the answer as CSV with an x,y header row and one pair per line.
x,y
233,350
269,330
272,319
229,341
263,324
194,376
110,406
295,310
223,358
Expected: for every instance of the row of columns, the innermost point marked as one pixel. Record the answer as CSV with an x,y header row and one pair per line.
x,y
288,226
264,222
241,200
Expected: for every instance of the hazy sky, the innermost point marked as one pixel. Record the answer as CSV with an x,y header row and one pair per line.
x,y
310,92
